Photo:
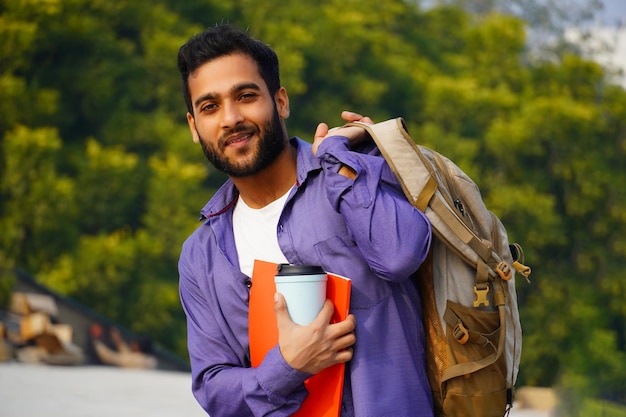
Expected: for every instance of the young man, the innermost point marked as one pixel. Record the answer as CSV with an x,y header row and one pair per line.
x,y
287,201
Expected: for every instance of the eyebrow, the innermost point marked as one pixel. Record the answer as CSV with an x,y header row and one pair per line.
x,y
234,89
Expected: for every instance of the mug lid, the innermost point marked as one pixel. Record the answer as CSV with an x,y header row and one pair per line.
x,y
288,269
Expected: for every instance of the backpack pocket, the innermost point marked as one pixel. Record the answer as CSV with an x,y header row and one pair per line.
x,y
473,341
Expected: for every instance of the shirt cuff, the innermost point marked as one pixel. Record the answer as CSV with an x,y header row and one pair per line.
x,y
331,150
277,378
333,153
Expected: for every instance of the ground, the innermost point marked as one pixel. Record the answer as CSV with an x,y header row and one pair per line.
x,y
103,391
94,391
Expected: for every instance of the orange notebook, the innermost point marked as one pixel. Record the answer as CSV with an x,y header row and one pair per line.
x,y
325,388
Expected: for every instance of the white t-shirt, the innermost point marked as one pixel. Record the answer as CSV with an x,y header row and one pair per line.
x,y
256,233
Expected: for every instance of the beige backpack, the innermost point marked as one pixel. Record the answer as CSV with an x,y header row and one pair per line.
x,y
467,285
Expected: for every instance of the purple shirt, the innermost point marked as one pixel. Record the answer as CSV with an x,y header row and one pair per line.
x,y
363,229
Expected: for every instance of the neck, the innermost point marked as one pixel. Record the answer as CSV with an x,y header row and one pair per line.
x,y
273,182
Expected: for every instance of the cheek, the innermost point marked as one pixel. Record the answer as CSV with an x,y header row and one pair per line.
x,y
205,132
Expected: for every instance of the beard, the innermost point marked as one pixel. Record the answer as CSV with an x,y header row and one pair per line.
x,y
271,143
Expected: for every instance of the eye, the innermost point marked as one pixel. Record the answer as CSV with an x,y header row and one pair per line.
x,y
208,107
247,96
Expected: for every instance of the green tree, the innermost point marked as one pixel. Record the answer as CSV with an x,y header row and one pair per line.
x,y
91,104
100,182
37,201
568,146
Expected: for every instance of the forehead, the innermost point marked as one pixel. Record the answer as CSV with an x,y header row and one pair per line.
x,y
220,75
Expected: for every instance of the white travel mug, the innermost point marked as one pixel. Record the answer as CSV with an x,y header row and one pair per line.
x,y
304,289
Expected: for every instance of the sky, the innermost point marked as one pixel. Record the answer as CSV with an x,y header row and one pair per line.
x,y
614,12
609,29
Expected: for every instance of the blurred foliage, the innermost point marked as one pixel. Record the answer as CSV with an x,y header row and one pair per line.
x,y
100,182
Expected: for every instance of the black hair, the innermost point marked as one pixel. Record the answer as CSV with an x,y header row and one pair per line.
x,y
226,40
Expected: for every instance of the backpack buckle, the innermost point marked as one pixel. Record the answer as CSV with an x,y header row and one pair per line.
x,y
522,269
481,291
460,333
504,271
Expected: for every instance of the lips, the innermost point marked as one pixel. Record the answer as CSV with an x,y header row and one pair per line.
x,y
238,138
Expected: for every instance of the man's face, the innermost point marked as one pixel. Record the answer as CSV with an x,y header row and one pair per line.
x,y
235,119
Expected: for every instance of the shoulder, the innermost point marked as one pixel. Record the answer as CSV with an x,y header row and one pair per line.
x,y
213,215
306,161
222,201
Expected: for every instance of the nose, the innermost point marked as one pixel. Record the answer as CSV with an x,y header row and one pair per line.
x,y
231,115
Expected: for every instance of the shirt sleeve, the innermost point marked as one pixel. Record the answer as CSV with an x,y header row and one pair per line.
x,y
223,382
391,234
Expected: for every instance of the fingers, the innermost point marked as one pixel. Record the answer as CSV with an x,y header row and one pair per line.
x,y
317,345
343,344
344,355
349,116
355,135
340,335
321,131
325,314
346,341
346,326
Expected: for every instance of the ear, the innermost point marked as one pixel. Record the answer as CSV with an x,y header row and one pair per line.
x,y
282,102
192,127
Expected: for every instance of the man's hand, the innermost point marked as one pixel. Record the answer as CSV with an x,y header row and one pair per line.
x,y
317,346
355,134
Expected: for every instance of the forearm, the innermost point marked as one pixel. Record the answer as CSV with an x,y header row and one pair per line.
x,y
272,389
390,233
223,382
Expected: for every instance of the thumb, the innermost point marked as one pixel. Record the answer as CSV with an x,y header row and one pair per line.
x,y
320,134
280,310
321,131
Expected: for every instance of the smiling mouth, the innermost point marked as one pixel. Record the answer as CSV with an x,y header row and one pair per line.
x,y
238,138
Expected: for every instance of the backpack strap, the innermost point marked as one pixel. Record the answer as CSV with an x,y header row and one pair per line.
x,y
462,334
420,186
401,153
